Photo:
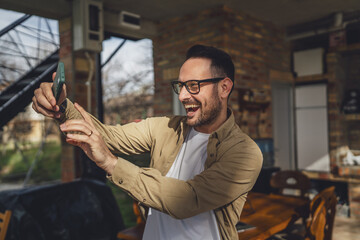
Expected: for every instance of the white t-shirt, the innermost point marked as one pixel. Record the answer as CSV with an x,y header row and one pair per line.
x,y
189,162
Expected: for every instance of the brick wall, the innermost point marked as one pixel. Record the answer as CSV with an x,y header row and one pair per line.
x,y
342,74
337,133
175,37
352,81
77,67
68,162
258,48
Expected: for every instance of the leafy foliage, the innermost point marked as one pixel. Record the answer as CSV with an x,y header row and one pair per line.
x,y
48,168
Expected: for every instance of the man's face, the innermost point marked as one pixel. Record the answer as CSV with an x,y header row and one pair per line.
x,y
202,109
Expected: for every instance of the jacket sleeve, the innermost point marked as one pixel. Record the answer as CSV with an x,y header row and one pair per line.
x,y
230,176
132,138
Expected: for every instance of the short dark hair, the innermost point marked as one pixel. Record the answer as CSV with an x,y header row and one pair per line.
x,y
221,63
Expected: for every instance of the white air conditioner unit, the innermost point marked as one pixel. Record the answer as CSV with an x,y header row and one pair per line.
x,y
88,25
129,20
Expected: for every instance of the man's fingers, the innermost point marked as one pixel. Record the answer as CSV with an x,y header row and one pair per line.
x,y
77,138
76,121
47,92
44,101
42,110
84,114
73,142
53,76
41,99
81,128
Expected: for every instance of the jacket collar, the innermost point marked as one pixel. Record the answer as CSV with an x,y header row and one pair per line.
x,y
226,127
221,132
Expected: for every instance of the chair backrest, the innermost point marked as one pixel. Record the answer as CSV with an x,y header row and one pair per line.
x,y
290,179
136,232
329,197
317,220
4,223
137,212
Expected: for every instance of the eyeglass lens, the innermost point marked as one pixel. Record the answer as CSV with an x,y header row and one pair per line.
x,y
191,86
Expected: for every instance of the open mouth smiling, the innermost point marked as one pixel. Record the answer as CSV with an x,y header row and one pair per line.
x,y
192,107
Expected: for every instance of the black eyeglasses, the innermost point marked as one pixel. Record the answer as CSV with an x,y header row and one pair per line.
x,y
192,86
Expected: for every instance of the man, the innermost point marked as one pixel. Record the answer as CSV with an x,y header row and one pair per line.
x,y
202,165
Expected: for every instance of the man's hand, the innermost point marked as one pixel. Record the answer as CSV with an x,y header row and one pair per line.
x,y
82,133
44,101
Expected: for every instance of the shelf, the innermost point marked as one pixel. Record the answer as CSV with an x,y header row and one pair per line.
x,y
254,99
352,117
254,106
311,78
343,176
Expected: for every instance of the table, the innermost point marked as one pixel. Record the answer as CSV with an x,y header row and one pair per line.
x,y
270,214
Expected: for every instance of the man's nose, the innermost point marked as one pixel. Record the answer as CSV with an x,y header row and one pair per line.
x,y
184,94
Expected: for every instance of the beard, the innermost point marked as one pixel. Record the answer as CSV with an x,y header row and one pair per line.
x,y
208,112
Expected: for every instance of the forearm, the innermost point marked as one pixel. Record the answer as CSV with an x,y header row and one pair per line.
x,y
148,186
129,139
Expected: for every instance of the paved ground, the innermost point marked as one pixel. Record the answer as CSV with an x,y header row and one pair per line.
x,y
346,229
8,186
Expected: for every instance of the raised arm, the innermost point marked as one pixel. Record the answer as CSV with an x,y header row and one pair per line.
x,y
231,176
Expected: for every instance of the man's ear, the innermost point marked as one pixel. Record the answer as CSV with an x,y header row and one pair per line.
x,y
225,87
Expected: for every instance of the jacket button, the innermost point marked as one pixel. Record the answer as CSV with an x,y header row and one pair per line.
x,y
144,200
211,155
120,181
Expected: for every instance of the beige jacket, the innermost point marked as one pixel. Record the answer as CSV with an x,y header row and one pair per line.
x,y
231,169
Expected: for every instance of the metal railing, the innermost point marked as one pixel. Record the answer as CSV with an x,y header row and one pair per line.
x,y
24,44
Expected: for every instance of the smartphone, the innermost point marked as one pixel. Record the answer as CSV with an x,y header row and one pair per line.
x,y
59,80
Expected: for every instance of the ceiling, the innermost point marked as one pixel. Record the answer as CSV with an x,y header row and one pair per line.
x,y
280,12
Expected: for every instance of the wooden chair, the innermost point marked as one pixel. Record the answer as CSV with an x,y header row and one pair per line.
x,y
315,225
317,220
4,223
290,179
293,180
329,196
134,233
321,220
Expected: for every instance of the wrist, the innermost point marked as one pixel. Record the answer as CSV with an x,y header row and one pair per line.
x,y
111,165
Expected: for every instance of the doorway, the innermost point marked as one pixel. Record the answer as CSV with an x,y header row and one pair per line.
x,y
283,125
